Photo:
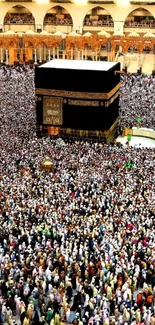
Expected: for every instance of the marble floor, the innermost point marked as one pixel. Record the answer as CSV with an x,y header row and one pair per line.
x,y
138,142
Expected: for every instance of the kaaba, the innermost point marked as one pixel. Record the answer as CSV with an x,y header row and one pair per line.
x,y
78,97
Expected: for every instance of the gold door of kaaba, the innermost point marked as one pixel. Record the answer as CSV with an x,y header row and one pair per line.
x,y
52,110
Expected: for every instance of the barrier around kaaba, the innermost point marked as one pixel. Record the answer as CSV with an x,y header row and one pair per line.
x,y
78,98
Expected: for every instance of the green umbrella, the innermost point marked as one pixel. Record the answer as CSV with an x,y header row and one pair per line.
x,y
129,137
128,164
138,119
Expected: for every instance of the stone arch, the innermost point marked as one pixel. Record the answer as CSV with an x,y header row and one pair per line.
x,y
72,45
86,44
133,48
28,44
58,15
41,44
19,13
56,44
12,43
101,16
147,48
103,47
41,50
139,17
2,45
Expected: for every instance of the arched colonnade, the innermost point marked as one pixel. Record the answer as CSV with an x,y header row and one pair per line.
x,y
71,17
41,48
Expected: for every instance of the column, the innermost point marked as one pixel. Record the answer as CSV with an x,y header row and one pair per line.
x,y
139,61
35,56
7,57
71,53
153,71
124,62
26,55
139,66
120,49
85,53
75,54
49,55
82,55
78,55
13,53
53,52
1,55
21,56
29,53
96,56
40,55
63,54
118,27
45,54
78,19
57,52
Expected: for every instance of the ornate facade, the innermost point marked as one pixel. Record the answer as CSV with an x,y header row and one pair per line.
x,y
77,16
22,43
41,48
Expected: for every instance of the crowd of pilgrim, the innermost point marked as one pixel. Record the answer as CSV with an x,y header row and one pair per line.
x,y
77,246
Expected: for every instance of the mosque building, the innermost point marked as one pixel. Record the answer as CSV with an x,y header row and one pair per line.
x,y
39,31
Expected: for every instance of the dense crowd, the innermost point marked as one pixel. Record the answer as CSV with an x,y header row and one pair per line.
x,y
15,18
53,20
144,23
77,246
98,22
137,99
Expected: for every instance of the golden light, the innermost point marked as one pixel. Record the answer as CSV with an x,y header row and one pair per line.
x,y
80,2
123,3
42,1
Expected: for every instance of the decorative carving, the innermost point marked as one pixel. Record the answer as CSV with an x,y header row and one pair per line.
x,y
49,41
80,43
8,41
107,104
83,102
52,110
77,94
91,133
128,41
